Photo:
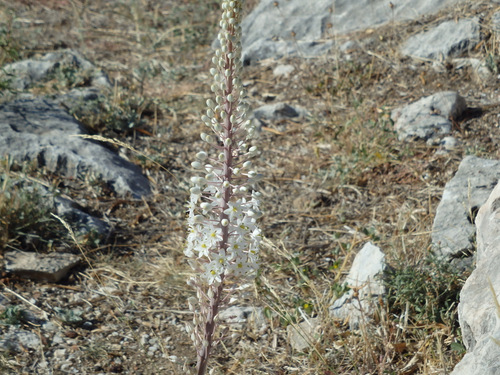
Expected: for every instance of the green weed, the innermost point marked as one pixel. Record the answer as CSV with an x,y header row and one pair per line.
x,y
12,315
429,288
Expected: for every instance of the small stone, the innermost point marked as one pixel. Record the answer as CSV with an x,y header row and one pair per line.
x,y
50,267
449,143
364,277
428,117
60,353
304,335
283,70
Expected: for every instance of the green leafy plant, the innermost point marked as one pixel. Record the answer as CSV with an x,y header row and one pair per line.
x,y
12,315
9,50
430,288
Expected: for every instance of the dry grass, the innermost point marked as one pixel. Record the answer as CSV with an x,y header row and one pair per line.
x,y
333,181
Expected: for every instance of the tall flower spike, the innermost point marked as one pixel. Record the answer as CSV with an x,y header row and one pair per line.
x,y
223,240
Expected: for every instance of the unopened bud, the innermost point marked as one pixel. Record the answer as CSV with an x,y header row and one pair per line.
x,y
202,155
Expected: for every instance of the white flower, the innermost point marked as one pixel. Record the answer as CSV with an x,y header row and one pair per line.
x,y
240,268
234,210
213,272
214,233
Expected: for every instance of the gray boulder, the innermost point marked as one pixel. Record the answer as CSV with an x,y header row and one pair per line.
x,y
40,131
26,73
479,311
453,228
448,39
429,117
294,27
366,285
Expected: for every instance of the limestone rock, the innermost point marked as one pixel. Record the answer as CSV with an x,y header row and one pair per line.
x,y
19,340
283,70
478,313
428,117
237,316
39,130
81,222
479,68
268,29
453,228
304,335
278,111
364,277
495,22
448,39
28,72
50,267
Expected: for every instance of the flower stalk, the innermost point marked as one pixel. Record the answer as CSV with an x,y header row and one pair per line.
x,y
223,240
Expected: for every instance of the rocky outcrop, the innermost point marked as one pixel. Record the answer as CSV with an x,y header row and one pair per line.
x,y
447,39
24,74
39,130
453,231
285,28
479,309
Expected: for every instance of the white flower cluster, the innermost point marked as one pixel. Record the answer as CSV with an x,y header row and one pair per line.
x,y
223,235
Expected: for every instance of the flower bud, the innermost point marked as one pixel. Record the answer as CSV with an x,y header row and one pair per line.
x,y
195,190
202,155
210,295
198,181
205,119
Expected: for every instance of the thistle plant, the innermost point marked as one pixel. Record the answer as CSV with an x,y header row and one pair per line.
x,y
223,240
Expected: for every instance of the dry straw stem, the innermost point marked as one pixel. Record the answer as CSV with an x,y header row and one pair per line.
x,y
119,143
